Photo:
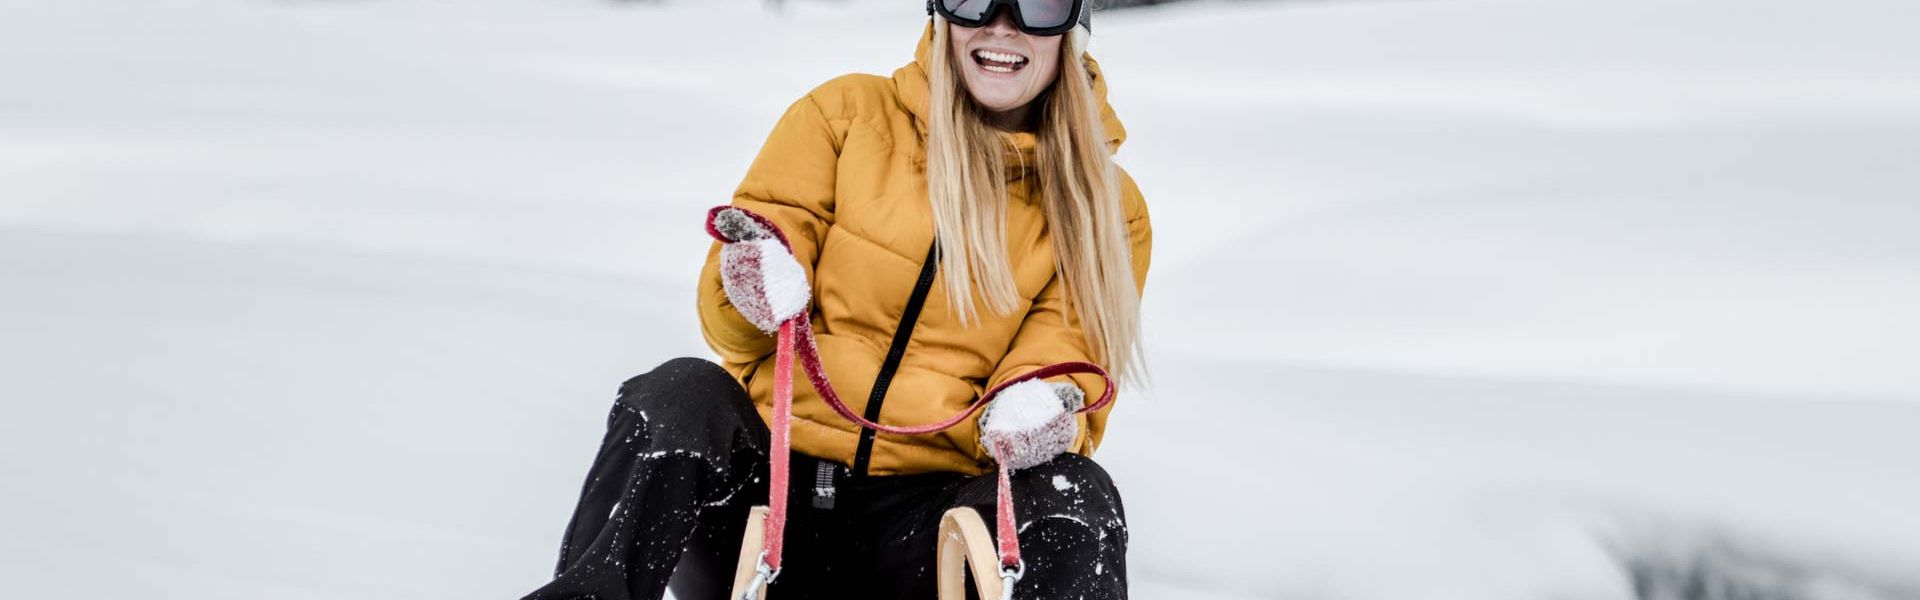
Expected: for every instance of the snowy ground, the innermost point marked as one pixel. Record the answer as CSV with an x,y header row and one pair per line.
x,y
1556,300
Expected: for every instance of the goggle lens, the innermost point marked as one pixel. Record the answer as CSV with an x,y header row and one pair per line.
x,y
1046,14
972,11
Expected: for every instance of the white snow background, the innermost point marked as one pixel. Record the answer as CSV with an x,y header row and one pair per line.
x,y
1451,299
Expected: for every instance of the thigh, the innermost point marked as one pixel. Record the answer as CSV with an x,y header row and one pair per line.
x,y
1070,486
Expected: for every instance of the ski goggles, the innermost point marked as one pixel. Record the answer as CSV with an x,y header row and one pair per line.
x,y
1034,17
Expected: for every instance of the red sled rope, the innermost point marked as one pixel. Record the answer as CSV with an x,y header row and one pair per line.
x,y
796,338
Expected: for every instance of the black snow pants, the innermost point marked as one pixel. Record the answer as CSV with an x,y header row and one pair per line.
x,y
685,457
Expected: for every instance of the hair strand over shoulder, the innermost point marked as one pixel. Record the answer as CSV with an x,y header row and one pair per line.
x,y
1080,193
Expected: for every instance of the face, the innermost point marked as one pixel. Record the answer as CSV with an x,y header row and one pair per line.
x,y
1004,69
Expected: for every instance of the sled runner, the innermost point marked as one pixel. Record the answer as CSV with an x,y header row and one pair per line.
x,y
752,543
964,540
966,546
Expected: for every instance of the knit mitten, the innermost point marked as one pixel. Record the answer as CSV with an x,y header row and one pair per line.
x,y
762,279
1029,423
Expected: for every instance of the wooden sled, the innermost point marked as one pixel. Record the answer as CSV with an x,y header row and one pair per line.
x,y
751,543
964,544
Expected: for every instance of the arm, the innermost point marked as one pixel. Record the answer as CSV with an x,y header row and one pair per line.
x,y
790,183
1050,334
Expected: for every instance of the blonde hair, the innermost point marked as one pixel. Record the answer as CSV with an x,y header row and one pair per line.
x,y
1080,194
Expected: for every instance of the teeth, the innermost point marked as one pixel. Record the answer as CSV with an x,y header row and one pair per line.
x,y
1001,57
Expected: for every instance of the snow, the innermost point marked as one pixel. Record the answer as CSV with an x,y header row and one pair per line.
x,y
1515,299
1023,407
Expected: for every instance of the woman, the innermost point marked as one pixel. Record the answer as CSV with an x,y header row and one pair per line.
x,y
997,140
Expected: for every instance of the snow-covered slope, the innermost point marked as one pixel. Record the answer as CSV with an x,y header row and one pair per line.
x,y
1472,299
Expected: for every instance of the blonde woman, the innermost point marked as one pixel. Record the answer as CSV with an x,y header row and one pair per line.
x,y
996,141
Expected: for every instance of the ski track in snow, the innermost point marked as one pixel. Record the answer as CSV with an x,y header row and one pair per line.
x,y
1475,299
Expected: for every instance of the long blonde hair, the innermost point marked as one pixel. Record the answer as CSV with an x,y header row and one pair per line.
x,y
1080,194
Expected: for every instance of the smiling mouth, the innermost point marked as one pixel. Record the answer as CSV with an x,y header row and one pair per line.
x,y
999,62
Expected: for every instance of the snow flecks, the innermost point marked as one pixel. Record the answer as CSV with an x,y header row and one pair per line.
x,y
665,453
1060,483
728,497
1062,516
1022,407
714,470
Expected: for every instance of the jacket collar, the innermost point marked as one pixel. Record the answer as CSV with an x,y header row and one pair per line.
x,y
911,85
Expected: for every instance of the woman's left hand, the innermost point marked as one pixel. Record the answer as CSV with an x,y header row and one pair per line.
x,y
1029,423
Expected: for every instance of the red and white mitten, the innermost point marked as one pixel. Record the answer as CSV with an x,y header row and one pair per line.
x,y
762,279
1029,423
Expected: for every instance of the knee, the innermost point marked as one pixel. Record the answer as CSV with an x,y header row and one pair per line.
x,y
677,372
1079,490
690,404
681,384
1069,474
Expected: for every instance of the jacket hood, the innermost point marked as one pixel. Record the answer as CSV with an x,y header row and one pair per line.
x,y
913,87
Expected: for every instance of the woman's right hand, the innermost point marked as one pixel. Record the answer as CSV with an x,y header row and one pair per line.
x,y
762,279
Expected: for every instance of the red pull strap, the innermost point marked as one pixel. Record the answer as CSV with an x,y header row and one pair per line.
x,y
1009,530
776,525
817,375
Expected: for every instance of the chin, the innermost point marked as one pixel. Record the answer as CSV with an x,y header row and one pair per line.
x,y
997,106
997,102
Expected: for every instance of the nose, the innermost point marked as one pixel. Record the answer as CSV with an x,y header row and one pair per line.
x,y
1002,23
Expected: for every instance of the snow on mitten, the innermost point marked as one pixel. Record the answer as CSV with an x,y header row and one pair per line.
x,y
1030,422
762,279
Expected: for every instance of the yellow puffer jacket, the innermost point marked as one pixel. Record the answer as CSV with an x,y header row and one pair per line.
x,y
844,175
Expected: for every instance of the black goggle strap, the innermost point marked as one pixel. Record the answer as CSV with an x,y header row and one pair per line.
x,y
1085,17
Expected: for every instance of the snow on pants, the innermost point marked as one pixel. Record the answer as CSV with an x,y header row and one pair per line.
x,y
685,457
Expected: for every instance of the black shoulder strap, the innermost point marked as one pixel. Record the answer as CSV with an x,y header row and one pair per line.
x,y
864,453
